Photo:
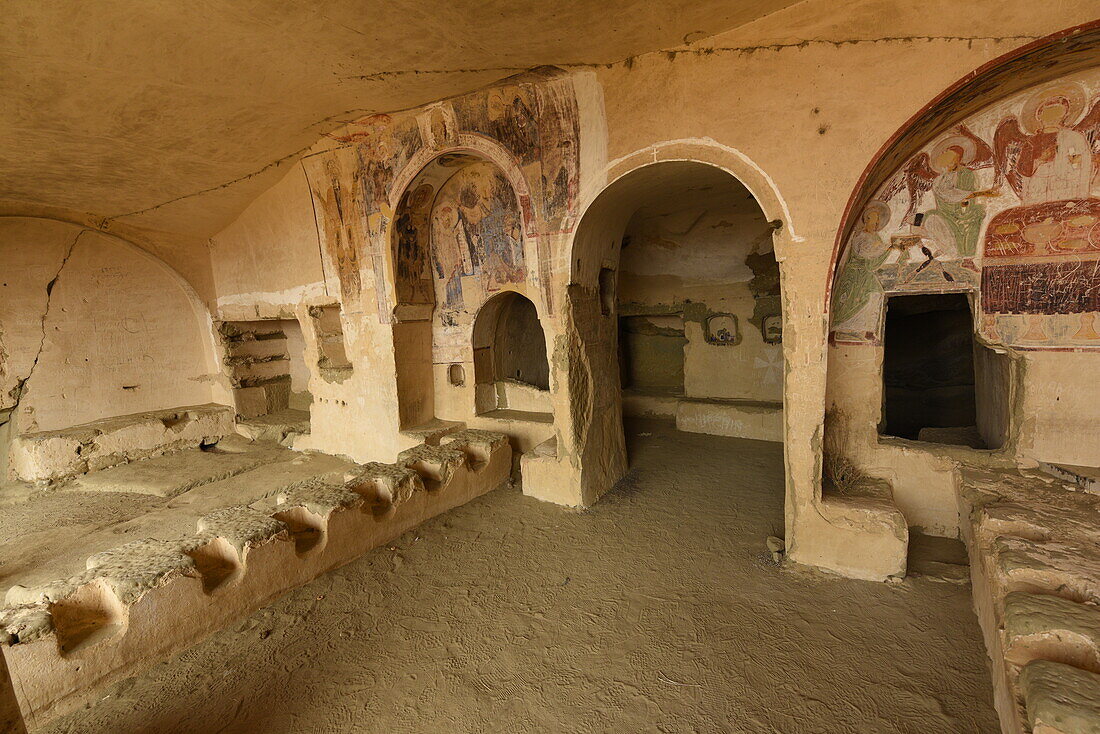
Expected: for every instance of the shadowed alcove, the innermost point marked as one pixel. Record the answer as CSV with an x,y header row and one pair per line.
x,y
510,367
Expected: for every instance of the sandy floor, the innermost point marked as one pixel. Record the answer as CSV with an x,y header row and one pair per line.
x,y
657,611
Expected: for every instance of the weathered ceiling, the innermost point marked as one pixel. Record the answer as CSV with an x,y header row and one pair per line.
x,y
172,115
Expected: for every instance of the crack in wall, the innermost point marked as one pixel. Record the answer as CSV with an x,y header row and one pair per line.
x,y
746,50
628,62
18,392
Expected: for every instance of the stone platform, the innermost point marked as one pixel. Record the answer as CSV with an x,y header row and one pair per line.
x,y
139,602
1035,567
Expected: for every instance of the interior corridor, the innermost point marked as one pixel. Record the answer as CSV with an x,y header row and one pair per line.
x,y
658,610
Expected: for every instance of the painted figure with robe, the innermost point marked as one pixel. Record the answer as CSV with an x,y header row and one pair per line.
x,y
950,173
858,295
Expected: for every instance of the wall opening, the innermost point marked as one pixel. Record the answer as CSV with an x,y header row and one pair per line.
x,y
511,371
929,387
458,244
332,355
266,364
698,302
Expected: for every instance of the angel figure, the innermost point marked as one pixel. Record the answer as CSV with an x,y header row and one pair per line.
x,y
1052,151
949,171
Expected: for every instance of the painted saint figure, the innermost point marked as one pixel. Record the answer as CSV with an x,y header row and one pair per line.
x,y
858,295
453,253
414,284
1048,154
339,241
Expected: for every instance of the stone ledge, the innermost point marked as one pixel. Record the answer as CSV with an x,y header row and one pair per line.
x,y
1040,626
53,455
1060,699
1036,581
148,599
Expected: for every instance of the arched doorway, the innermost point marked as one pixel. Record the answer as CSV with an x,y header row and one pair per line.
x,y
511,371
698,305
702,222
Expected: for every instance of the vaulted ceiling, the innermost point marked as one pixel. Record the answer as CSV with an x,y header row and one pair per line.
x,y
172,115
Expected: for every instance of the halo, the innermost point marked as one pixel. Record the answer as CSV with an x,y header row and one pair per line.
x,y
883,210
969,148
1073,94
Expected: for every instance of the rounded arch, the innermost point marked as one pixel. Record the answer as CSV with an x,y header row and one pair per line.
x,y
472,145
705,152
509,346
458,235
683,334
435,167
1057,55
604,217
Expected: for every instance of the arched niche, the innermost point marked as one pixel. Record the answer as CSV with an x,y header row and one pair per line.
x,y
982,211
657,204
458,239
511,371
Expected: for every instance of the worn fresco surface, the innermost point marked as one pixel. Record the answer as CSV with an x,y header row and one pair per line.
x,y
530,127
1005,205
477,239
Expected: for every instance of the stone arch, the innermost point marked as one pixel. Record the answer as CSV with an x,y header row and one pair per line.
x,y
1057,55
886,223
464,197
594,433
511,369
478,147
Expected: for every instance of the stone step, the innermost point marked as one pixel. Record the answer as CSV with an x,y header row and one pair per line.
x,y
1042,626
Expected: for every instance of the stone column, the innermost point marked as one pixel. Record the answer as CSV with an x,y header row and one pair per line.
x,y
859,537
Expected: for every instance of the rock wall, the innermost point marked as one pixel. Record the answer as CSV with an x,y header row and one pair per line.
x,y
92,327
1003,206
698,269
794,105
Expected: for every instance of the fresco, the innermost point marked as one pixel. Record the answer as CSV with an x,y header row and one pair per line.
x,y
333,201
1006,205
539,125
534,123
476,239
411,231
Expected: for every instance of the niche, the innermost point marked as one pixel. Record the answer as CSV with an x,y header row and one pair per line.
x,y
928,370
332,356
651,353
266,364
510,366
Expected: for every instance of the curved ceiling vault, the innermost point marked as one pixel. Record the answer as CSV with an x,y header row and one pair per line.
x,y
144,113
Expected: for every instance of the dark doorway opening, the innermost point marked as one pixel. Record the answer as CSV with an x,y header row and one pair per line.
x,y
928,369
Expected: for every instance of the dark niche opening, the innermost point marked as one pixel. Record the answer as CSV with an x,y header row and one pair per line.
x,y
928,370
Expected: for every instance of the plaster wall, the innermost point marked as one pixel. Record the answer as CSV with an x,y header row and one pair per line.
x,y
95,328
794,105
808,97
1059,408
693,254
268,260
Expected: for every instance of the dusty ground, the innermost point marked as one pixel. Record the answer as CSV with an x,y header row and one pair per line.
x,y
657,611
